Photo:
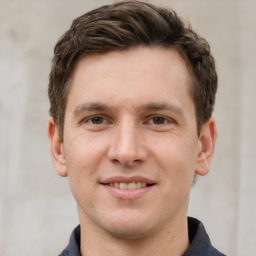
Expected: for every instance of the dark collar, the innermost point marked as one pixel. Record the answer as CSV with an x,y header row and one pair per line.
x,y
200,244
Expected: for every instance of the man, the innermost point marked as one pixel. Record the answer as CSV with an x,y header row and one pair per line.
x,y
132,90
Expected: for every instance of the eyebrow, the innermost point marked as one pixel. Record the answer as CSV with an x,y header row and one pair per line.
x,y
90,107
149,106
163,106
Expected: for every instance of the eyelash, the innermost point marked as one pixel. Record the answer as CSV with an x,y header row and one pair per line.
x,y
150,120
160,118
90,120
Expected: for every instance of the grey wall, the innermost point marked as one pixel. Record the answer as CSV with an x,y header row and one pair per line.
x,y
37,212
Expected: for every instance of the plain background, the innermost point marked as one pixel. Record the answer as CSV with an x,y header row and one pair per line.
x,y
37,211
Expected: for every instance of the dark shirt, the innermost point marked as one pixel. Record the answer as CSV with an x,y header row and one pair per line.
x,y
200,244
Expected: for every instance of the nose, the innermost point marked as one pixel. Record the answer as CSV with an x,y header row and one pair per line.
x,y
127,147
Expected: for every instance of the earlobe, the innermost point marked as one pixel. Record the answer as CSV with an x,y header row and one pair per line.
x,y
207,141
56,148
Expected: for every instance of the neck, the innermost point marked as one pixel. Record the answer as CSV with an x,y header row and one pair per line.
x,y
170,240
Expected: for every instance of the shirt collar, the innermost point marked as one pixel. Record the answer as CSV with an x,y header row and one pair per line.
x,y
200,244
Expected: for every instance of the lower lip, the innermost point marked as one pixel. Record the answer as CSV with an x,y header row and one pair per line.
x,y
128,194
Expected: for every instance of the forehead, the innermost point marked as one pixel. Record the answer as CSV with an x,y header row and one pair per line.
x,y
130,75
142,59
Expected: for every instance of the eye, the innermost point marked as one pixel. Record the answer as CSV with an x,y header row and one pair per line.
x,y
159,120
160,123
96,123
97,120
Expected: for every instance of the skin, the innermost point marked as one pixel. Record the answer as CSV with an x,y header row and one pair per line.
x,y
129,113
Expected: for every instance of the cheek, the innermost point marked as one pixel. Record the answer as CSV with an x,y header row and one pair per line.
x,y
177,158
81,171
83,151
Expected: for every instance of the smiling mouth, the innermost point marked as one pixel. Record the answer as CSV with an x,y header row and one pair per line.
x,y
128,186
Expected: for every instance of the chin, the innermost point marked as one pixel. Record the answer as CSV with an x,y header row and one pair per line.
x,y
129,234
130,228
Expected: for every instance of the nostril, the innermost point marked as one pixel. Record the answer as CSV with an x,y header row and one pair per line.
x,y
125,159
125,154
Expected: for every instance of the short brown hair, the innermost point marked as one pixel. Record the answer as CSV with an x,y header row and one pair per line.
x,y
126,25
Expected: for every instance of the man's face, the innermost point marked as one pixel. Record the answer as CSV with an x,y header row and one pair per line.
x,y
130,147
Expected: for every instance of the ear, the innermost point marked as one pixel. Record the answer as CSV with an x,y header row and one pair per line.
x,y
207,140
56,148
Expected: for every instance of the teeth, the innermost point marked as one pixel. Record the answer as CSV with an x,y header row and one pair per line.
x,y
131,185
123,185
143,184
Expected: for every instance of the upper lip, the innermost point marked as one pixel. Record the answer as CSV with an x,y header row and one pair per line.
x,y
125,179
